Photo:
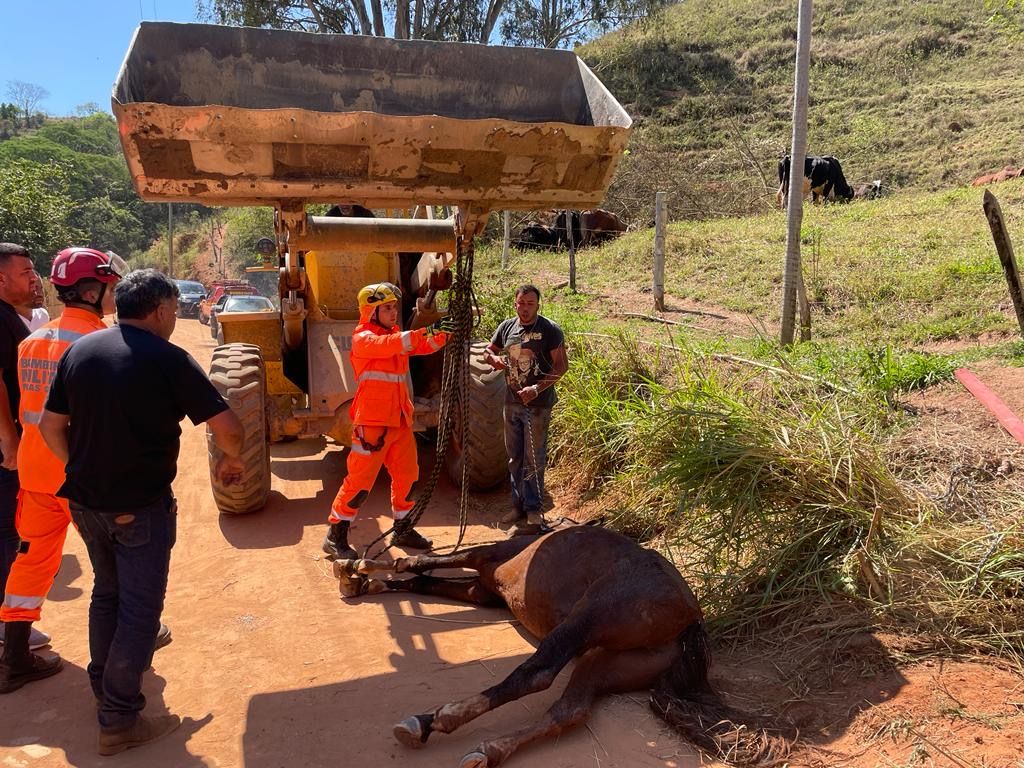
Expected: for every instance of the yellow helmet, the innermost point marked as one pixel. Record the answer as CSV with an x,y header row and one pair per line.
x,y
377,294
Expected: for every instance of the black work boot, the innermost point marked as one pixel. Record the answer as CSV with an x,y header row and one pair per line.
x,y
19,665
407,537
336,542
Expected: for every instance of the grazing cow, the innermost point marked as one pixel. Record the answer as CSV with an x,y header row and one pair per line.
x,y
870,191
591,227
562,232
536,235
823,177
1008,172
623,612
600,226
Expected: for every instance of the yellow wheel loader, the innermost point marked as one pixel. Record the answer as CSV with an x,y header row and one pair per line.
x,y
245,117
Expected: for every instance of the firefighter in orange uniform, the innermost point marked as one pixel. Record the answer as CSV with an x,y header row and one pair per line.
x,y
84,279
382,416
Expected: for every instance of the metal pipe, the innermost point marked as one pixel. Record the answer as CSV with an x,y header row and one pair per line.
x,y
358,234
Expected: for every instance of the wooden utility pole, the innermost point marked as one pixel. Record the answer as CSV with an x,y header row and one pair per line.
x,y
170,240
660,217
505,244
797,153
1004,248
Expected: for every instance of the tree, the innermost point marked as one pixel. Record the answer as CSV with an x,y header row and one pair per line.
x,y
27,96
549,23
36,209
87,108
558,23
469,20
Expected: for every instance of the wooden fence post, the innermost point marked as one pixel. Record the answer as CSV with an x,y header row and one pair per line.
x,y
508,237
572,250
797,153
1004,248
660,218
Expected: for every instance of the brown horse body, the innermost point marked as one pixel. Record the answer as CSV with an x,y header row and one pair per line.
x,y
586,592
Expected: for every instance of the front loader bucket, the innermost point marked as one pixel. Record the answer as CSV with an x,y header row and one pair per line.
x,y
243,116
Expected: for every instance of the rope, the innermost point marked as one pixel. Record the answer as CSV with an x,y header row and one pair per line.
x,y
454,395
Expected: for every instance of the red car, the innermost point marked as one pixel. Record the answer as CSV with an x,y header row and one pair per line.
x,y
220,288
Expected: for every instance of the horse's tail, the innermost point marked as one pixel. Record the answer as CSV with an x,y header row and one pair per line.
x,y
687,702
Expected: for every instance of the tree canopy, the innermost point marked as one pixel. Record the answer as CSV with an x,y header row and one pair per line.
x,y
67,183
545,23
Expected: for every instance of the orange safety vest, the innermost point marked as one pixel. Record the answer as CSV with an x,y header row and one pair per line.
x,y
380,361
38,354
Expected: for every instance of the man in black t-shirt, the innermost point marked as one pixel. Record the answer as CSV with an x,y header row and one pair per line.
x,y
535,350
112,415
16,275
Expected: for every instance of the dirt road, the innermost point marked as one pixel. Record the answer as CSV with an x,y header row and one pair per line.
x,y
270,668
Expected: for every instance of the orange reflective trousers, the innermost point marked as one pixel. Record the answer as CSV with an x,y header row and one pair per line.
x,y
42,524
42,517
396,452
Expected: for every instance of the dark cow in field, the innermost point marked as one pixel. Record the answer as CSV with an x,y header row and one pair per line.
x,y
1007,173
590,227
536,235
823,178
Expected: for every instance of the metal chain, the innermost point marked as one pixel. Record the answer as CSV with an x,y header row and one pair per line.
x,y
454,394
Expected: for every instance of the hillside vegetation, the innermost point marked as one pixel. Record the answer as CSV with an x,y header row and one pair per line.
x,y
917,94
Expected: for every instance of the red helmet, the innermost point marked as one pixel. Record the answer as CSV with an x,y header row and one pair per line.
x,y
74,264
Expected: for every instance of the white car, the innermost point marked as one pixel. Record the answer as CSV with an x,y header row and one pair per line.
x,y
229,304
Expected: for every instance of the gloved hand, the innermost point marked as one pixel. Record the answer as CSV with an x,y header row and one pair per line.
x,y
444,325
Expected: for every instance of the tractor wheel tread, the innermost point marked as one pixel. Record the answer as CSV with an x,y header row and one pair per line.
x,y
237,371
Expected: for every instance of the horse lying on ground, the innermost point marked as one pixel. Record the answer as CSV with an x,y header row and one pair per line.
x,y
588,593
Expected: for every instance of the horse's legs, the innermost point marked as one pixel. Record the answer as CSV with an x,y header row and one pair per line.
x,y
473,558
466,590
537,673
352,574
597,672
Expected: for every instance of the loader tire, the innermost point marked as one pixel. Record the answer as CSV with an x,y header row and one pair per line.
x,y
237,371
485,434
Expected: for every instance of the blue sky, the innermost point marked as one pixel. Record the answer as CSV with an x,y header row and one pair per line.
x,y
74,48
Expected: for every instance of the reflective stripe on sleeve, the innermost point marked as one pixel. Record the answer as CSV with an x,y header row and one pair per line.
x,y
358,448
31,417
407,341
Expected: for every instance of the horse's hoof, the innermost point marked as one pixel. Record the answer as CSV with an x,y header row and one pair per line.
x,y
474,760
349,584
411,733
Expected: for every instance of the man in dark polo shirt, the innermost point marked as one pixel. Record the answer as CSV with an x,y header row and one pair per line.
x,y
113,415
530,348
16,275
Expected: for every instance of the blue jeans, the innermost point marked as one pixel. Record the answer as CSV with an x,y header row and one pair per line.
x,y
9,540
526,462
130,551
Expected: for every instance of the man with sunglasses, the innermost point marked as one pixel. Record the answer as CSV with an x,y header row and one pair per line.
x,y
382,415
84,279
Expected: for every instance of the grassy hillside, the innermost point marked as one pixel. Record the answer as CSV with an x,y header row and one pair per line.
x,y
918,94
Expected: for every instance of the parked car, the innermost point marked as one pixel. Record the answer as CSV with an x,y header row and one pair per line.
x,y
190,293
231,303
223,288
